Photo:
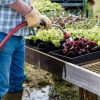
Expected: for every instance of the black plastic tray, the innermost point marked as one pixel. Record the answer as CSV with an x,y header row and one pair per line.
x,y
42,46
78,59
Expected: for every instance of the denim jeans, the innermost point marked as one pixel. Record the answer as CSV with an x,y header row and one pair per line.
x,y
12,73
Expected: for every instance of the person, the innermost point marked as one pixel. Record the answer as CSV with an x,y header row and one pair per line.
x,y
12,76
91,3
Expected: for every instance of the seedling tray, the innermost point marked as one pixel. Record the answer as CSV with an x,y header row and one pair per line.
x,y
42,46
78,59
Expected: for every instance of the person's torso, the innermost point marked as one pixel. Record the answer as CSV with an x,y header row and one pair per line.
x,y
9,19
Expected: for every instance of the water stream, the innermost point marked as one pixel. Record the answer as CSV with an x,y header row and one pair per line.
x,y
36,93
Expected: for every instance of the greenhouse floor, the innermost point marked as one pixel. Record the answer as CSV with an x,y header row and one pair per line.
x,y
41,85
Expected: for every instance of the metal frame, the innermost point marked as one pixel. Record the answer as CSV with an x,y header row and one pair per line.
x,y
65,4
85,5
69,4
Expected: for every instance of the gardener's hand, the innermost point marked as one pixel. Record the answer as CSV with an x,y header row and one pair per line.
x,y
34,19
47,22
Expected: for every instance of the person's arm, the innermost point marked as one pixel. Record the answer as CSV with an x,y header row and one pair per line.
x,y
20,7
32,16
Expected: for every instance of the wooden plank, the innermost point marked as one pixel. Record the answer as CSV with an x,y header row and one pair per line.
x,y
31,56
83,78
86,95
52,65
44,61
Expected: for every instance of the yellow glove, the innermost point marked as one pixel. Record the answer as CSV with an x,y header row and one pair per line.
x,y
34,19
47,22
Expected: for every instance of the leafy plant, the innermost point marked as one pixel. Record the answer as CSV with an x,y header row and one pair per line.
x,y
93,34
87,23
52,35
50,9
79,46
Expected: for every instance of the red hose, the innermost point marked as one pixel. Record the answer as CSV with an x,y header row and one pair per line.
x,y
11,33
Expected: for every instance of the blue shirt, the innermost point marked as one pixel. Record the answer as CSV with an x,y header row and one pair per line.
x,y
9,18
